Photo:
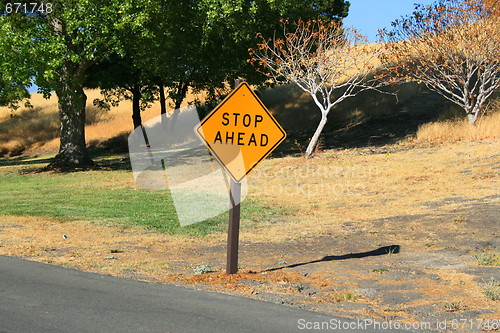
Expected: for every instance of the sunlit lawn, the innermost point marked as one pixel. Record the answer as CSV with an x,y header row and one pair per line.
x,y
107,197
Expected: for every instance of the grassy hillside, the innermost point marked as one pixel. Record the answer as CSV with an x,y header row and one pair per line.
x,y
370,119
37,129
375,119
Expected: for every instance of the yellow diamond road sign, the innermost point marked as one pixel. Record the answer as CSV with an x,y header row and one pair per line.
x,y
240,132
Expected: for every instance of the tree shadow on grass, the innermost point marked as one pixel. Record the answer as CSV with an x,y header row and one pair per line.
x,y
385,250
23,161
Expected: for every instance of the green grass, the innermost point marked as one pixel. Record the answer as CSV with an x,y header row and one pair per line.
x,y
345,296
492,289
488,258
454,306
96,196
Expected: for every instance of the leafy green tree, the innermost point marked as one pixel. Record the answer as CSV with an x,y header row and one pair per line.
x,y
65,42
14,74
175,44
332,9
201,45
11,94
225,30
172,35
120,79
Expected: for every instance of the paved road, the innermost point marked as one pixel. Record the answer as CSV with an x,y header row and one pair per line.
x,y
38,298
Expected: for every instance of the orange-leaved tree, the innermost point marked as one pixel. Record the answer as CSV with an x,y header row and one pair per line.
x,y
329,62
453,47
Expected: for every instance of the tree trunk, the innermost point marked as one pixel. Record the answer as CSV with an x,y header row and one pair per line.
x,y
178,104
136,106
72,99
472,118
315,138
163,103
180,94
473,114
173,121
72,150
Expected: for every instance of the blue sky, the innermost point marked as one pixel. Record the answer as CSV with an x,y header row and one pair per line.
x,y
367,16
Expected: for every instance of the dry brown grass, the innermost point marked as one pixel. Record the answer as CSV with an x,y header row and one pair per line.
x,y
37,129
487,127
356,185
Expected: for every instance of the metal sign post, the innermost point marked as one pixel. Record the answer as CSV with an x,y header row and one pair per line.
x,y
233,229
241,120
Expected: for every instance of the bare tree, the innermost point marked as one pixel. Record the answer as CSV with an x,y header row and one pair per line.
x,y
453,47
322,58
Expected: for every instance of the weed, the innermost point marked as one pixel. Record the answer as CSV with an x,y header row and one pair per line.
x,y
396,308
460,219
344,296
154,266
380,270
75,254
492,289
202,269
319,148
299,146
488,258
390,250
454,306
144,266
94,265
